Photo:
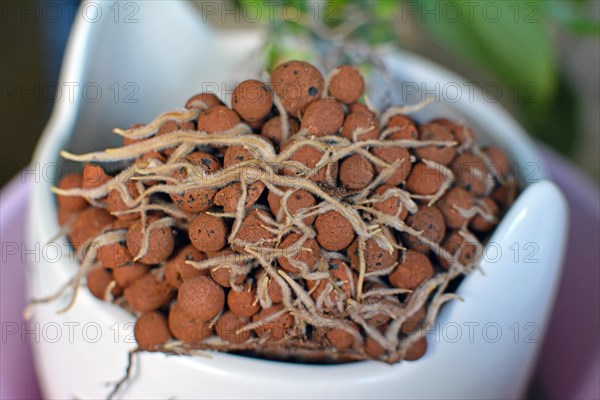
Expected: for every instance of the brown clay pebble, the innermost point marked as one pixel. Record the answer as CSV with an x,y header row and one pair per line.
x,y
364,122
390,206
423,180
229,196
121,224
296,202
276,329
187,328
310,156
202,101
171,126
151,329
201,199
455,199
257,125
415,322
346,84
358,107
356,172
334,232
217,119
160,241
239,153
273,288
274,291
340,339
404,128
209,163
381,319
297,84
417,350
74,203
391,155
208,233
115,202
235,155
228,327
93,176
498,165
272,130
252,100
343,279
176,269
253,231
114,255
148,293
98,280
462,134
413,269
373,348
188,125
376,257
504,195
469,171
224,273
243,303
430,221
66,216
462,251
323,117
89,224
126,274
437,153
485,223
201,297
307,255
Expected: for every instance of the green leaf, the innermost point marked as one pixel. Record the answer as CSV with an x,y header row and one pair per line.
x,y
331,12
339,4
376,33
508,38
558,125
301,5
574,16
384,9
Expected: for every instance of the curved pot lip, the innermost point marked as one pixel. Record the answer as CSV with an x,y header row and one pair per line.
x,y
42,224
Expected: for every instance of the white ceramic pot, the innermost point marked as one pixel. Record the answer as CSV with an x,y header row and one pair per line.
x,y
482,348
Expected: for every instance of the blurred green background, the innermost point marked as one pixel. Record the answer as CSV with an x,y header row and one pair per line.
x,y
545,55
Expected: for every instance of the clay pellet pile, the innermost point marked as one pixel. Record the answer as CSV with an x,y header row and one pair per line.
x,y
298,224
